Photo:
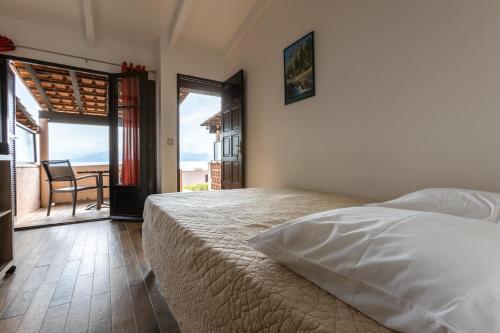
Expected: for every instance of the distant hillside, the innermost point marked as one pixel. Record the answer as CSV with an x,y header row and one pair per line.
x,y
96,157
188,156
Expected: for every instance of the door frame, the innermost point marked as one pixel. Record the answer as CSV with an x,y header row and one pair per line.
x,y
8,57
195,83
147,146
233,100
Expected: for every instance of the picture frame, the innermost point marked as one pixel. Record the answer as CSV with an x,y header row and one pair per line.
x,y
298,65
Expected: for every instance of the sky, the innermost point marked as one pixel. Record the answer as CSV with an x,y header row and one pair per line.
x,y
26,98
195,109
70,141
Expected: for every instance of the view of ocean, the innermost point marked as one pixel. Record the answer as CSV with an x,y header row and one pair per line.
x,y
88,163
184,165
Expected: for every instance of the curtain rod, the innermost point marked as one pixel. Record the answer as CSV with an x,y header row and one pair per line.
x,y
86,59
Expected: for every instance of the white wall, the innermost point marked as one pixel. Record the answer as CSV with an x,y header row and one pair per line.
x,y
407,96
188,60
71,42
27,189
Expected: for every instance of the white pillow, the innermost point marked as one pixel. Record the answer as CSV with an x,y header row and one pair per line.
x,y
411,271
465,203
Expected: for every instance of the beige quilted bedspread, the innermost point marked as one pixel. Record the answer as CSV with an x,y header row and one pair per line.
x,y
214,282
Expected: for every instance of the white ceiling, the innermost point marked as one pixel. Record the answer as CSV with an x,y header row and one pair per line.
x,y
211,23
139,23
136,22
58,13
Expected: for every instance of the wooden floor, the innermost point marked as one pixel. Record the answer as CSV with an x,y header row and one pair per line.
x,y
61,213
87,277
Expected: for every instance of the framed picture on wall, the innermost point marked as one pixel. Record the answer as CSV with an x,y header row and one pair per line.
x,y
299,69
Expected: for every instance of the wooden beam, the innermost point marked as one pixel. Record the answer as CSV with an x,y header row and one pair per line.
x,y
66,89
52,81
88,21
55,97
76,90
93,86
93,98
49,70
39,87
70,91
183,7
55,104
84,99
74,118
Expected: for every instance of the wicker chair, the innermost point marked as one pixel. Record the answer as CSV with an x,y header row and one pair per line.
x,y
61,171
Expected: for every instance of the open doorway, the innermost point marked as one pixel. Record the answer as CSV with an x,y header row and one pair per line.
x,y
199,111
61,145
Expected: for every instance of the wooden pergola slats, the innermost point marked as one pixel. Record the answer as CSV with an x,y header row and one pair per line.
x,y
39,88
67,91
99,101
58,83
61,98
24,118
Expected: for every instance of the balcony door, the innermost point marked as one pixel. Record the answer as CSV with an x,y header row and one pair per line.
x,y
132,144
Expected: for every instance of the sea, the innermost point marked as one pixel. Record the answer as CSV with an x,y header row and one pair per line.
x,y
88,163
184,165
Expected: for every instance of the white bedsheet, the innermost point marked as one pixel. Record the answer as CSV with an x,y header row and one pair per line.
x,y
196,244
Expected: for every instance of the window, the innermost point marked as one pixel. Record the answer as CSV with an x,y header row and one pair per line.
x,y
217,151
25,145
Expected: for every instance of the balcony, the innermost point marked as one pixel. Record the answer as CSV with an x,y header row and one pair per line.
x,y
32,198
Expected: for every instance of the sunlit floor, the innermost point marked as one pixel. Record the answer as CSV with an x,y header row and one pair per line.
x,y
60,213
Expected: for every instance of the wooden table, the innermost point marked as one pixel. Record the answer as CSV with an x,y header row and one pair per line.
x,y
100,187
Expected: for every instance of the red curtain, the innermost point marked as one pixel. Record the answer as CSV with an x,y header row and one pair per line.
x,y
130,96
6,44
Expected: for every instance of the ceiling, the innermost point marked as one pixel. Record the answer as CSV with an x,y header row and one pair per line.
x,y
138,23
212,23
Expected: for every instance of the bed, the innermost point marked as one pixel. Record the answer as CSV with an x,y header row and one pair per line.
x,y
196,244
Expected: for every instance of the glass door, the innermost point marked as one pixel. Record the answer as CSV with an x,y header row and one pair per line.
x,y
130,116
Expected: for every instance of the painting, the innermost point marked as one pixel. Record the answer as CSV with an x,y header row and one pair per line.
x,y
299,69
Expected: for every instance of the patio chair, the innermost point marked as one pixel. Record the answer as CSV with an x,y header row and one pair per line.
x,y
106,204
61,171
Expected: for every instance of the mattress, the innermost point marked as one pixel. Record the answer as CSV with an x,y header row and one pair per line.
x,y
196,244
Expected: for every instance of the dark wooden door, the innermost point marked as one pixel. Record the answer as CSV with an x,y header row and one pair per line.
x,y
131,179
232,132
